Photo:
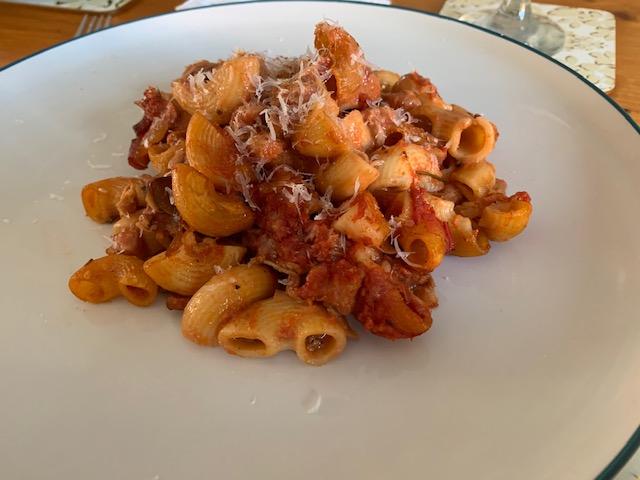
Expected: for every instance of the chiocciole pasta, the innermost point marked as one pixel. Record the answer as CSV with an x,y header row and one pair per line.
x,y
290,196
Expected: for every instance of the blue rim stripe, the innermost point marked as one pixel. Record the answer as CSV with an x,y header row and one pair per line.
x,y
633,444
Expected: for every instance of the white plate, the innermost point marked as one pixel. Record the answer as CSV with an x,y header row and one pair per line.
x,y
531,370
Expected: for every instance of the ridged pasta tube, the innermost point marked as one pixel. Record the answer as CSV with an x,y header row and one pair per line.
x,y
163,156
405,163
222,297
426,245
203,208
363,222
107,277
283,323
394,165
445,124
387,79
188,264
468,137
501,221
229,86
351,74
100,199
467,241
211,151
475,142
425,91
475,180
357,131
321,134
347,175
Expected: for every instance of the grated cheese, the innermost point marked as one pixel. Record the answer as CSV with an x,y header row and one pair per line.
x,y
299,192
198,83
290,90
100,138
359,58
170,194
327,205
402,255
402,117
394,224
98,166
246,186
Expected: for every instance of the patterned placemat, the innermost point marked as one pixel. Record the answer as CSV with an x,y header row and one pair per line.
x,y
84,5
590,36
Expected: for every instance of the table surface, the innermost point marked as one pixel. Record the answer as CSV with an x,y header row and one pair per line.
x,y
26,29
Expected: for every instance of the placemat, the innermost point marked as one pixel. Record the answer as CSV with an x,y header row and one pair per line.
x,y
590,36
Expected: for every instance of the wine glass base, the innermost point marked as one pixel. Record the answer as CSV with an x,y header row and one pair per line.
x,y
539,33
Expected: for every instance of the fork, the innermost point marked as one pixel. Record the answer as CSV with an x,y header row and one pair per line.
x,y
92,23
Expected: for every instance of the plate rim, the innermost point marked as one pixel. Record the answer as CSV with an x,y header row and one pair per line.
x,y
635,125
632,445
620,461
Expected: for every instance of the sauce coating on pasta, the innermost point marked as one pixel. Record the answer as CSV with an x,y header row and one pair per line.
x,y
286,197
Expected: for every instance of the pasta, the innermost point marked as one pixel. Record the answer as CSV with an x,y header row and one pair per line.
x,y
284,323
288,197
203,208
223,295
110,276
188,263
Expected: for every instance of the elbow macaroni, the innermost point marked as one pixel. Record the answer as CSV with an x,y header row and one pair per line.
x,y
291,195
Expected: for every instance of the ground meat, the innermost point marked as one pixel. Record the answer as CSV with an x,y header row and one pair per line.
x,y
388,308
406,100
131,199
421,86
199,66
287,235
380,121
177,302
161,117
128,242
162,226
335,284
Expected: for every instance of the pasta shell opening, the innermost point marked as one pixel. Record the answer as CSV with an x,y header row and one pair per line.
x,y
319,349
472,140
424,122
419,252
393,138
137,295
245,344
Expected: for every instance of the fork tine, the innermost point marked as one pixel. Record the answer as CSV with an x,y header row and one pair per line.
x,y
92,23
83,22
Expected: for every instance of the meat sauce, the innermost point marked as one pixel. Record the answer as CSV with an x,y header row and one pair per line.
x,y
325,267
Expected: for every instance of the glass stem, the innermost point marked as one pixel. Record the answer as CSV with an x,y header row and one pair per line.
x,y
517,8
515,19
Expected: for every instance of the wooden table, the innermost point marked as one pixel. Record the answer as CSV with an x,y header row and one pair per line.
x,y
25,30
